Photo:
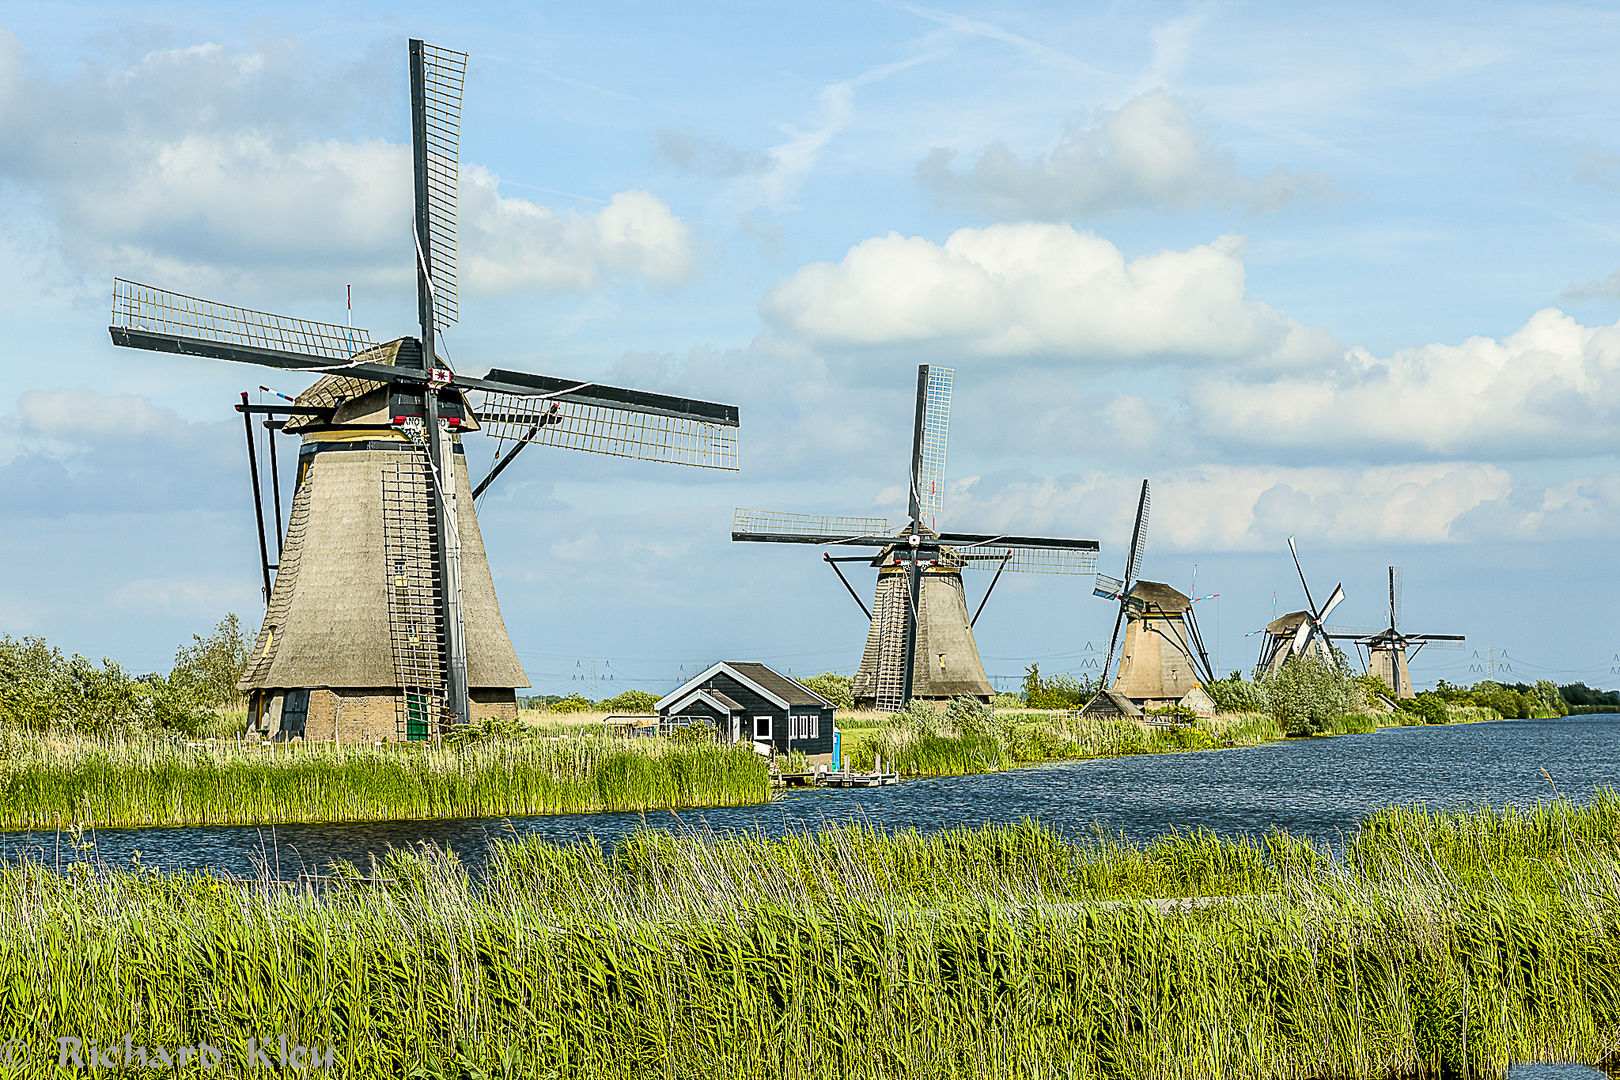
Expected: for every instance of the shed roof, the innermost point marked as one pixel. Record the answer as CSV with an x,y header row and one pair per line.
x,y
769,684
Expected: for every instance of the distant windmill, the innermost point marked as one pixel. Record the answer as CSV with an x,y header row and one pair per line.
x,y
1389,650
919,643
382,619
1303,632
1163,659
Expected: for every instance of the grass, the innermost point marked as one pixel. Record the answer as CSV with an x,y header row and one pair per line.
x,y
1027,737
1438,944
45,783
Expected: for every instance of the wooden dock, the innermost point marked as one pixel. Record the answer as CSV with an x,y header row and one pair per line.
x,y
860,779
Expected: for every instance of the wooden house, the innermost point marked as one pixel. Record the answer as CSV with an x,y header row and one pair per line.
x,y
750,703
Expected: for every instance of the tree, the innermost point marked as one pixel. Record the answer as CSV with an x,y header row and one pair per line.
x,y
838,689
210,667
1308,692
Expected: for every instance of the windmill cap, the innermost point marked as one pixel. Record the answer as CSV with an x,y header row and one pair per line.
x,y
1159,595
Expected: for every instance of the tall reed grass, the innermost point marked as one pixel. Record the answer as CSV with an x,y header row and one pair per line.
x,y
48,783
1029,737
1005,951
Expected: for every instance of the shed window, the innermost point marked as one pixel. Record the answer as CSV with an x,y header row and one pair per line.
x,y
762,727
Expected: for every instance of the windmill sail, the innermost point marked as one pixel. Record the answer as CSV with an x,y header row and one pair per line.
x,y
642,431
933,419
772,526
437,79
144,317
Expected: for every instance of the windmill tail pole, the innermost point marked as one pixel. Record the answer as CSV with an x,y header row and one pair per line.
x,y
974,621
853,594
258,497
1112,642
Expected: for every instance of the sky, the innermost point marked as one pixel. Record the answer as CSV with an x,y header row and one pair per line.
x,y
1347,274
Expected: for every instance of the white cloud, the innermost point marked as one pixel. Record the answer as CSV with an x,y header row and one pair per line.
x,y
1146,153
512,245
1239,508
86,453
196,168
1037,290
1551,388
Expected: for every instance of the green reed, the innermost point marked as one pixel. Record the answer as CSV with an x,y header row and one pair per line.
x,y
1004,951
109,784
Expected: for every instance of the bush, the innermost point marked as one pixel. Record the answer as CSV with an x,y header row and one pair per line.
x,y
209,669
631,701
573,703
838,689
1308,693
1580,695
1429,706
1236,694
1059,692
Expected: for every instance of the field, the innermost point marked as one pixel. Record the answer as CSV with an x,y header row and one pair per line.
x,y
50,782
1443,945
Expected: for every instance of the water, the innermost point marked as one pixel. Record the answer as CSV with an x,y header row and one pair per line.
x,y
1317,787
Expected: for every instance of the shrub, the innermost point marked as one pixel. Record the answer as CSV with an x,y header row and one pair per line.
x,y
573,703
1236,694
1059,692
631,701
1308,693
209,669
838,689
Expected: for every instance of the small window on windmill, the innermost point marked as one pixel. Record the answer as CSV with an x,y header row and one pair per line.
x,y
942,663
399,573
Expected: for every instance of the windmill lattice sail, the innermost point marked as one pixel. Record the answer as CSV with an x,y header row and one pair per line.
x,y
146,314
444,75
617,432
809,528
935,422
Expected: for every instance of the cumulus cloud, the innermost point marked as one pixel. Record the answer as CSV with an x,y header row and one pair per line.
x,y
1238,508
205,169
1551,388
1148,153
513,245
88,453
1039,290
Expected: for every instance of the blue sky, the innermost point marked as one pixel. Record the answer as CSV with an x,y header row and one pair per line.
x,y
1350,274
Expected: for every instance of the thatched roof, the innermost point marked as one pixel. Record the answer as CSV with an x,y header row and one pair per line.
x,y
1287,624
1158,595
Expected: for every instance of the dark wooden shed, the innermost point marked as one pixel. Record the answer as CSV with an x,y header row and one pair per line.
x,y
750,703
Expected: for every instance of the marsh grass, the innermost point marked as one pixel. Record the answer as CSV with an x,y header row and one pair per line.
x,y
51,782
1025,737
1439,945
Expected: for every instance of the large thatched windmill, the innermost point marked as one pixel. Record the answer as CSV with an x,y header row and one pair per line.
x,y
1389,650
919,643
1163,661
382,620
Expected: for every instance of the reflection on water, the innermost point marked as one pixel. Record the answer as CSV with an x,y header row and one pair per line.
x,y
1320,787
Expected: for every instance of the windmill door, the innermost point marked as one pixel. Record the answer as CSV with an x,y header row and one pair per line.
x,y
294,711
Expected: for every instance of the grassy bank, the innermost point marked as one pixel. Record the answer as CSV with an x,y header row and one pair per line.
x,y
1438,945
44,783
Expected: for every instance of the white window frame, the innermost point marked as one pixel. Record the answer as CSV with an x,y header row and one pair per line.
x,y
766,734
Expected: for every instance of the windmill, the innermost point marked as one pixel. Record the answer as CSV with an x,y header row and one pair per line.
x,y
382,618
1163,660
1303,632
919,642
1389,650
